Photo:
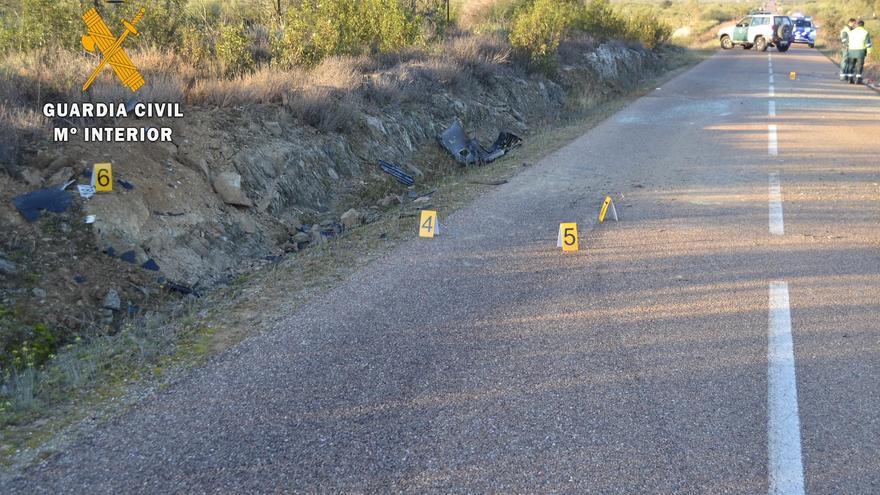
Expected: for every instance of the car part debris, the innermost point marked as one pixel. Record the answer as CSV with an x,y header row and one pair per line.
x,y
397,172
128,186
150,265
52,199
469,151
488,182
90,219
86,191
128,257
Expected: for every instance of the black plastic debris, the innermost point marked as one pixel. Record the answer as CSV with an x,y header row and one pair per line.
x,y
133,310
51,199
110,251
181,289
469,151
128,186
150,265
129,257
79,279
397,172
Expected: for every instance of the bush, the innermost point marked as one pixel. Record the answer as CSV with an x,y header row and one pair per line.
x,y
538,29
599,19
646,27
233,51
316,30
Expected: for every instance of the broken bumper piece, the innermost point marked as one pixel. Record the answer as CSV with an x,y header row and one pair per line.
x,y
469,151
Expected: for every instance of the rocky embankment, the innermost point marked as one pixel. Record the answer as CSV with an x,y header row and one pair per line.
x,y
243,185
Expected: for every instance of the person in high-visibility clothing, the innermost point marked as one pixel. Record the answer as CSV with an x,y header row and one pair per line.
x,y
844,48
859,47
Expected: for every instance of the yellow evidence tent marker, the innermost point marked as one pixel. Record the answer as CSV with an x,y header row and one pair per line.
x,y
102,177
792,75
568,237
429,226
604,211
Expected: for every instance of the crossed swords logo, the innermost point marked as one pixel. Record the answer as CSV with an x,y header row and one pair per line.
x,y
101,38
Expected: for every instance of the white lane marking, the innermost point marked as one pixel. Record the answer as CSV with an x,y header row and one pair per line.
x,y
771,78
777,223
772,147
771,108
785,466
772,91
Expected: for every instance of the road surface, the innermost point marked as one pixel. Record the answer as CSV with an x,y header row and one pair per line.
x,y
722,337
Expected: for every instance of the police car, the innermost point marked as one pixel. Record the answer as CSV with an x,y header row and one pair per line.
x,y
804,31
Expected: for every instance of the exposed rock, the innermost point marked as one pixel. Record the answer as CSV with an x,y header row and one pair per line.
x,y
351,219
274,128
389,200
38,293
112,301
315,235
169,148
60,177
7,267
228,186
301,238
32,177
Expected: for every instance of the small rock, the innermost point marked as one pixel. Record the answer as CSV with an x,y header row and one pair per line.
x,y
351,219
332,173
61,176
301,238
228,186
274,128
414,170
31,177
169,148
112,301
294,226
64,227
316,237
388,200
38,293
7,267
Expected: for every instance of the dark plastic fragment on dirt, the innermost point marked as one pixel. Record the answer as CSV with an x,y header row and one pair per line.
x,y
133,310
181,289
51,199
129,257
128,186
469,151
110,251
397,172
151,265
79,279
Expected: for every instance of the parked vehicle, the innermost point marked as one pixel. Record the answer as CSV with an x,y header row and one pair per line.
x,y
760,30
804,30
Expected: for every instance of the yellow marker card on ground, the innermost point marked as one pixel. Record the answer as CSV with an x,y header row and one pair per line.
x,y
568,237
792,75
429,226
604,211
102,177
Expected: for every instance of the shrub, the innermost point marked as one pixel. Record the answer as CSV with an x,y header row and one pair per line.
x,y
538,29
316,30
233,50
599,20
646,27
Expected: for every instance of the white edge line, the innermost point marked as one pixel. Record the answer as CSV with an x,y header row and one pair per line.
x,y
771,108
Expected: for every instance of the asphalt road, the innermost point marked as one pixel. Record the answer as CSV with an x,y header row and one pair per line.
x,y
721,338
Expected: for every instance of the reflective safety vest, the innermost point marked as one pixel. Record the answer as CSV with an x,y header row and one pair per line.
x,y
844,35
859,39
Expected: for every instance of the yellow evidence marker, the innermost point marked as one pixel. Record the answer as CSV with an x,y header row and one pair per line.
x,y
429,226
792,75
102,177
604,211
568,237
